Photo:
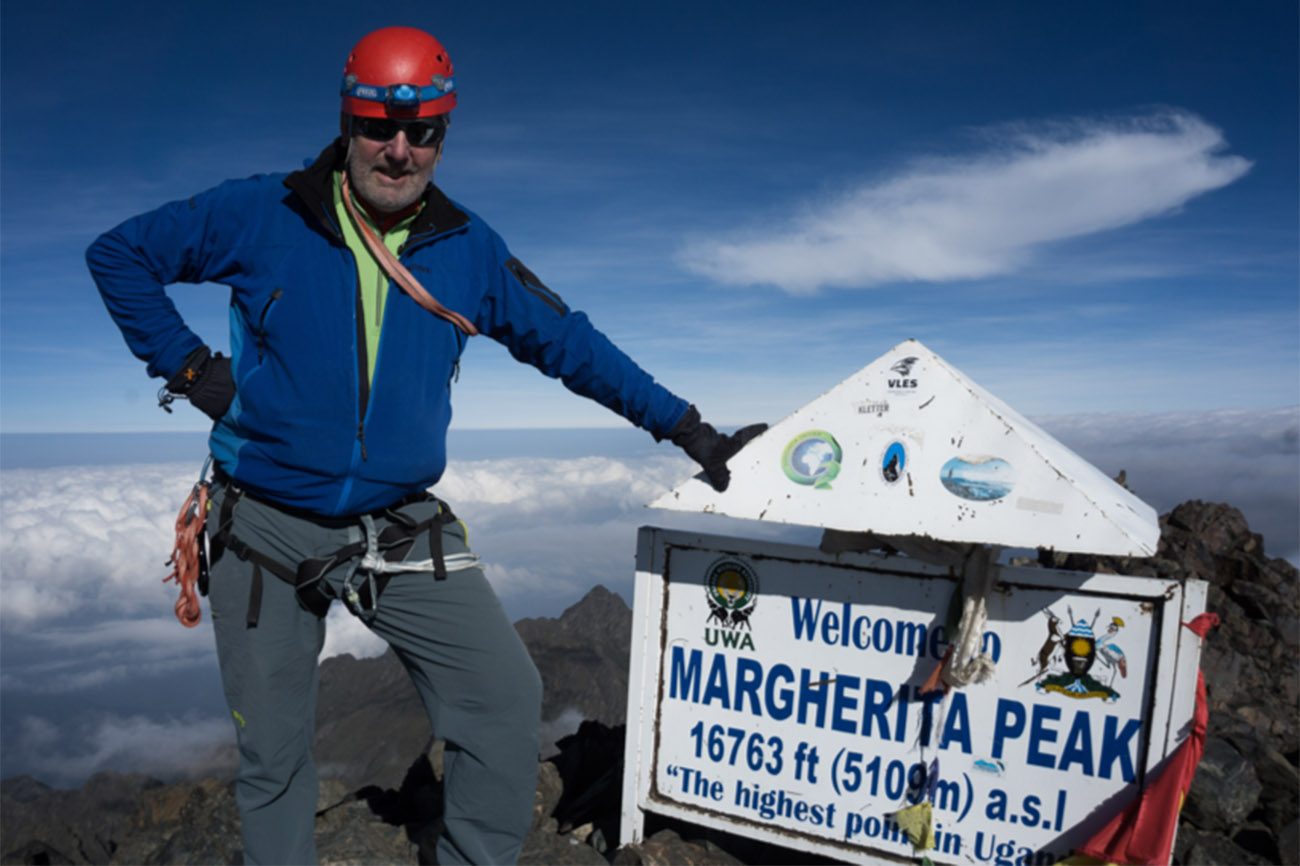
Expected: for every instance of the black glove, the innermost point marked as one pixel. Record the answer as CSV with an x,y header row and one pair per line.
x,y
205,380
708,447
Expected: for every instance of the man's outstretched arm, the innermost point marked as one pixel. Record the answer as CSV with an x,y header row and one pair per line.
x,y
538,328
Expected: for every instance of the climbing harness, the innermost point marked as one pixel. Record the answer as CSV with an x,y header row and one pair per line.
x,y
378,570
189,560
397,271
371,562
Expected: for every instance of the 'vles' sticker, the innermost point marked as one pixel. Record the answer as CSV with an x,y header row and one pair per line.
x,y
813,458
900,379
980,479
893,462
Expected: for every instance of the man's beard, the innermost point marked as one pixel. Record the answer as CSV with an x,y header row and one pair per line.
x,y
380,195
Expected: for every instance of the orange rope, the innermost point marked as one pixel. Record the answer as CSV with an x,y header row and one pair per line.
x,y
185,555
398,271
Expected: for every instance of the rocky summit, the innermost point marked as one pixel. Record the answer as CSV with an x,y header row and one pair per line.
x,y
381,796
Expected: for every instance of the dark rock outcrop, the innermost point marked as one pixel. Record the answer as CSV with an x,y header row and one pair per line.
x,y
666,848
1225,790
86,825
583,657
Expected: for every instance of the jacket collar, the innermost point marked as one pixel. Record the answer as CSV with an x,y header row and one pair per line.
x,y
314,186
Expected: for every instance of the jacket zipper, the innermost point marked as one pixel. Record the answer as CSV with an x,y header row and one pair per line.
x,y
363,367
363,378
261,323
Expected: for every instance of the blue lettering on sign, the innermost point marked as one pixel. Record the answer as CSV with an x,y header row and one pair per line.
x,y
1118,739
749,677
956,724
716,688
780,699
812,690
845,702
1078,746
684,683
1040,733
1115,747
879,697
838,625
1035,734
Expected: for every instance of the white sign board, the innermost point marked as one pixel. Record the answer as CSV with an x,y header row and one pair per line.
x,y
774,693
909,445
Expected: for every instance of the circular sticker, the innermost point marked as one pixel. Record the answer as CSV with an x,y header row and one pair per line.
x,y
813,458
731,584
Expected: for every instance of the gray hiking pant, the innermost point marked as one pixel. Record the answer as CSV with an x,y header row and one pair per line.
x,y
472,672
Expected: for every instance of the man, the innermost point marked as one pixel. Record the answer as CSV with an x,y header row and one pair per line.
x,y
330,424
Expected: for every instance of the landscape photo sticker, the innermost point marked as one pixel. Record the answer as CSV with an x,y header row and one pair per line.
x,y
980,479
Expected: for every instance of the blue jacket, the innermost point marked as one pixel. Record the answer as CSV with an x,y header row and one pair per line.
x,y
307,427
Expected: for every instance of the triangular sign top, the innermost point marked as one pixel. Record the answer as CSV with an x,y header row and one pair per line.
x,y
910,446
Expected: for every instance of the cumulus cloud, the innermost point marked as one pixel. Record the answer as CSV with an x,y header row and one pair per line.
x,y
558,491
87,539
983,214
83,550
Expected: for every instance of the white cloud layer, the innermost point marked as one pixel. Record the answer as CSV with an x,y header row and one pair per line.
x,y
93,611
82,550
982,215
82,553
87,539
1244,458
133,744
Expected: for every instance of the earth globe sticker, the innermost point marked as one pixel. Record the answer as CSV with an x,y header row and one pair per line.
x,y
812,458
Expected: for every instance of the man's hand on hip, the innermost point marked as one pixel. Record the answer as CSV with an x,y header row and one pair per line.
x,y
206,381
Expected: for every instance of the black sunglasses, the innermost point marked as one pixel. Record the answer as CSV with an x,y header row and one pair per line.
x,y
420,133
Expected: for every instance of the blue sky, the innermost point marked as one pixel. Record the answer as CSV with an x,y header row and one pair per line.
x,y
1084,207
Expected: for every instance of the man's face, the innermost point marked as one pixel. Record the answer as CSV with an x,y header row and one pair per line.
x,y
390,175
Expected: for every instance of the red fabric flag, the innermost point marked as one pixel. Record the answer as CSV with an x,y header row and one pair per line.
x,y
1202,624
1144,832
934,682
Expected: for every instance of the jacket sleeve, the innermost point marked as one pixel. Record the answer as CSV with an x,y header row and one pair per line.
x,y
538,328
190,241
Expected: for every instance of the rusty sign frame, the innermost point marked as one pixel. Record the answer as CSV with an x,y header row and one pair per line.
x,y
1168,710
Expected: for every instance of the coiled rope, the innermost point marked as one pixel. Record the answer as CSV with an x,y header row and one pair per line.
x,y
186,558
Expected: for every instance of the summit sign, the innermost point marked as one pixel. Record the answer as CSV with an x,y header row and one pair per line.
x,y
820,731
894,693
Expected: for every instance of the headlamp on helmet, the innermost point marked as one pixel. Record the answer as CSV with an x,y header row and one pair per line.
x,y
401,97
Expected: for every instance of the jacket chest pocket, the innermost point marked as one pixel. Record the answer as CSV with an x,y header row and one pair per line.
x,y
255,313
259,327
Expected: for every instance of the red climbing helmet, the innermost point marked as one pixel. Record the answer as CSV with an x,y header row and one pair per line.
x,y
398,72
